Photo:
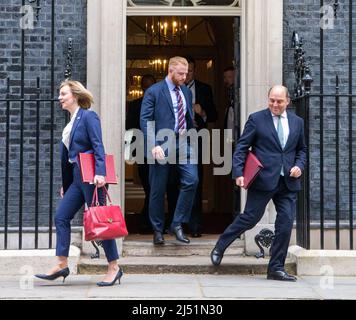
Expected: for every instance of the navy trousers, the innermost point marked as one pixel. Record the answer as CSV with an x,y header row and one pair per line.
x,y
77,194
285,203
188,176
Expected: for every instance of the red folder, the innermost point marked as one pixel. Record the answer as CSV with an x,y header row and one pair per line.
x,y
87,168
252,168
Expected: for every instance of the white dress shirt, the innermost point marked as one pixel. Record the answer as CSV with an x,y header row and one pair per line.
x,y
68,129
191,86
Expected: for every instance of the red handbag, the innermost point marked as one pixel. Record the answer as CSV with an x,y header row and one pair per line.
x,y
103,222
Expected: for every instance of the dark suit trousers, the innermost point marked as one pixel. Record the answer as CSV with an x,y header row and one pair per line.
x,y
159,174
172,193
77,194
285,203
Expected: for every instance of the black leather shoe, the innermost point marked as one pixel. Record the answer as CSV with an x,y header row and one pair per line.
x,y
216,256
196,235
281,276
180,236
61,273
158,238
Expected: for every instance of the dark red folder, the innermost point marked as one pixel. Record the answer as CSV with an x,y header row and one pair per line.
x,y
252,168
87,168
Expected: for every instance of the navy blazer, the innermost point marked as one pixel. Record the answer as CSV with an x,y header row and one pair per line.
x,y
157,106
204,96
261,134
85,137
133,114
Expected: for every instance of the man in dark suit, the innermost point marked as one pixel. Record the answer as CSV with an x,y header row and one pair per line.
x,y
204,112
232,121
133,122
277,139
134,108
168,105
229,82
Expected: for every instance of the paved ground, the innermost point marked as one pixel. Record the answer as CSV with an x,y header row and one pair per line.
x,y
178,286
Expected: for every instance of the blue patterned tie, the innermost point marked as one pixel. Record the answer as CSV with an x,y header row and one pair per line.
x,y
181,116
280,132
280,137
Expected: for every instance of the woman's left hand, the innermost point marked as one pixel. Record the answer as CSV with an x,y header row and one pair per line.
x,y
99,181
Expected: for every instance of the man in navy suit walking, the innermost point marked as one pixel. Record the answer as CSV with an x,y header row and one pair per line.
x,y
204,112
168,105
277,139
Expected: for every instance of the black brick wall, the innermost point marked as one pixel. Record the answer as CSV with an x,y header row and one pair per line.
x,y
70,21
303,16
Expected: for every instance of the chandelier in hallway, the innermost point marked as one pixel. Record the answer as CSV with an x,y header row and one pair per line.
x,y
167,29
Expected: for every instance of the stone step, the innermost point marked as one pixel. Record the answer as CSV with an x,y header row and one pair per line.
x,y
182,265
143,246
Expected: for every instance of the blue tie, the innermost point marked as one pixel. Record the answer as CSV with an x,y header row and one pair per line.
x,y
280,132
280,137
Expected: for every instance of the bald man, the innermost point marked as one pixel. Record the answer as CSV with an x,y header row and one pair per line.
x,y
276,137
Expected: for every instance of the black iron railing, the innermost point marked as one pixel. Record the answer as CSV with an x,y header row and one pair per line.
x,y
29,144
327,200
12,146
332,158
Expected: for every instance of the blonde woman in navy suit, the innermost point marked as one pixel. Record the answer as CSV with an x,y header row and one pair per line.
x,y
82,134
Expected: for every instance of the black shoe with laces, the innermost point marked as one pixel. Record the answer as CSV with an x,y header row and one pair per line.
x,y
216,256
180,236
281,275
158,238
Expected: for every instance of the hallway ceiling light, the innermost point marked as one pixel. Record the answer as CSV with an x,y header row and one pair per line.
x,y
167,29
159,65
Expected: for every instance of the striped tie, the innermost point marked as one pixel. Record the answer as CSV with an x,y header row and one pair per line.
x,y
181,116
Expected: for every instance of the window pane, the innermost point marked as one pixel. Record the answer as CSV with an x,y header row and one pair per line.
x,y
182,3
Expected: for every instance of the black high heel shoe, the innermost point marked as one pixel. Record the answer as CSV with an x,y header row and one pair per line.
x,y
61,273
108,284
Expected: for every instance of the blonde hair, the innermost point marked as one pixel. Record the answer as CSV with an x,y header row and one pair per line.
x,y
173,62
84,97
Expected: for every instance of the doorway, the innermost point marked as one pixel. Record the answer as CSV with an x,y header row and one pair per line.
x,y
212,42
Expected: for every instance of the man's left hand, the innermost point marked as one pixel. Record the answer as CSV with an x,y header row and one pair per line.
x,y
295,172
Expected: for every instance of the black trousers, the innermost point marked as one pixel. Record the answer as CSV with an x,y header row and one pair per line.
x,y
172,195
143,172
285,203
